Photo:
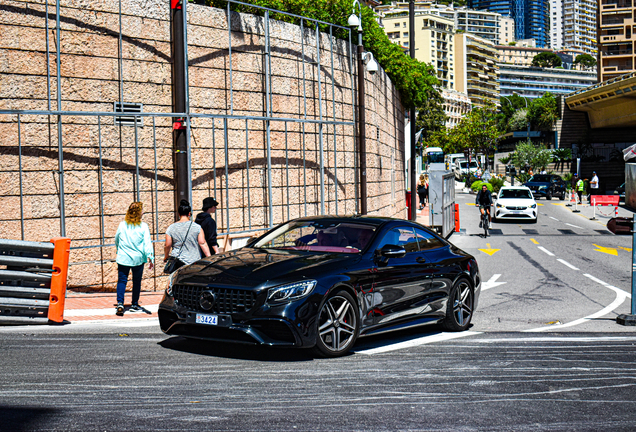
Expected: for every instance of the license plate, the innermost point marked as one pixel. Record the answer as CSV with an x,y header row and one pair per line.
x,y
516,211
207,319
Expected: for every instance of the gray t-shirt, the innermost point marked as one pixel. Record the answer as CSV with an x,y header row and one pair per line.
x,y
190,246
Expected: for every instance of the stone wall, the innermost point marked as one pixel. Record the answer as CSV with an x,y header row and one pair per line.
x,y
105,165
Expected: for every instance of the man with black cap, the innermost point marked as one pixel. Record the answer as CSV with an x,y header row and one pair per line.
x,y
208,224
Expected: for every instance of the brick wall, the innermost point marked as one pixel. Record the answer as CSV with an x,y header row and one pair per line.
x,y
93,77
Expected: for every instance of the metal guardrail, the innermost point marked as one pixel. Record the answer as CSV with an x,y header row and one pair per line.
x,y
33,282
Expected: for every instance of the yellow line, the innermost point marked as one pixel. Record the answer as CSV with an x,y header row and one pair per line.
x,y
534,241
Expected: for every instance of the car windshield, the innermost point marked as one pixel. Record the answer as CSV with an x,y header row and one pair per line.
x,y
319,236
515,193
473,164
543,178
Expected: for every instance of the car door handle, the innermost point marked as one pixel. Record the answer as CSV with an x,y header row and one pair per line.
x,y
420,260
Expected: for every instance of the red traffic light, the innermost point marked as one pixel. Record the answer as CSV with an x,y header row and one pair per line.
x,y
620,225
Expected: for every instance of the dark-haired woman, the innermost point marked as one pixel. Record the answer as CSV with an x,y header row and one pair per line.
x,y
184,238
133,250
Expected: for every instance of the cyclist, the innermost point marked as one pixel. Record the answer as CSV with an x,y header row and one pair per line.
x,y
484,201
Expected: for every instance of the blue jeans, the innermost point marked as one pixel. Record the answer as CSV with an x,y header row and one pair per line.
x,y
122,280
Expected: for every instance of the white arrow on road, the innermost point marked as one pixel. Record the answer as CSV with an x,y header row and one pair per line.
x,y
492,282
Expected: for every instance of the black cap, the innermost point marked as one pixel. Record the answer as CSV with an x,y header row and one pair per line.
x,y
209,202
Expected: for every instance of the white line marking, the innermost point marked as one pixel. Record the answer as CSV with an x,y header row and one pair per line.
x,y
559,339
567,264
492,282
620,298
554,218
417,342
575,226
100,312
545,250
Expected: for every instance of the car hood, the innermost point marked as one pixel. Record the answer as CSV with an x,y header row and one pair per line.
x,y
516,202
251,267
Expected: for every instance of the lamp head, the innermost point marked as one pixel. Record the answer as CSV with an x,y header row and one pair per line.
x,y
353,21
372,65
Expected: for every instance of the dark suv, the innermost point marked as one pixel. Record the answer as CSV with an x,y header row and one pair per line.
x,y
546,185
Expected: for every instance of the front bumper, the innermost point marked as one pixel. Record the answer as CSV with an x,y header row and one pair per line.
x,y
264,325
507,213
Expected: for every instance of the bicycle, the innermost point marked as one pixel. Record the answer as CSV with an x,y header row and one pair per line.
x,y
485,223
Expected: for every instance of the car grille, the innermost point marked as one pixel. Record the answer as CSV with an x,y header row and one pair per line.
x,y
227,300
516,208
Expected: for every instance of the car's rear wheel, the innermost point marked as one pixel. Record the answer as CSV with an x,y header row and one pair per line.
x,y
459,310
338,325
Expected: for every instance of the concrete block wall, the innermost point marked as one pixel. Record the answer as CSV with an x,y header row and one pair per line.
x,y
93,77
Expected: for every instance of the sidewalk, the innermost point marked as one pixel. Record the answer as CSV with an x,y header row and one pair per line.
x,y
601,214
82,307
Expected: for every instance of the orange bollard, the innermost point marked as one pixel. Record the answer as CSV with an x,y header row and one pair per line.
x,y
58,279
456,217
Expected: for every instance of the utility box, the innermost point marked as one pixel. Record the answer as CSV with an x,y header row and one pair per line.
x,y
441,199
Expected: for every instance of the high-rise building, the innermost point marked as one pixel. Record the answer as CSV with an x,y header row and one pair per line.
x,y
573,25
531,16
433,40
506,31
616,45
476,69
533,82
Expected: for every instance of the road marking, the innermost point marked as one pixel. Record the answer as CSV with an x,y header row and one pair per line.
x,y
575,226
607,250
492,282
554,218
539,204
439,337
489,251
624,248
620,299
546,251
559,339
567,264
534,241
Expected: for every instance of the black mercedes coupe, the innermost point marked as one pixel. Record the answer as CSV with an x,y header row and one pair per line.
x,y
322,282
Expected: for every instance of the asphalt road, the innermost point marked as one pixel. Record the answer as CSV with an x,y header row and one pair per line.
x,y
544,353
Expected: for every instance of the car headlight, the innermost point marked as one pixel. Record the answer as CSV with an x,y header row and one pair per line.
x,y
290,292
499,205
533,206
170,279
542,187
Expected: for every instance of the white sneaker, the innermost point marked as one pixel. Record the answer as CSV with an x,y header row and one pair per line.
x,y
489,225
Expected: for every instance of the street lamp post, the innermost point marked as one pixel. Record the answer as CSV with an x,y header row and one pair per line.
x,y
412,113
364,59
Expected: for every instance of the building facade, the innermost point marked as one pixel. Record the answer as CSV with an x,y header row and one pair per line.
x,y
530,16
476,69
456,106
518,55
616,46
533,82
573,25
433,40
507,30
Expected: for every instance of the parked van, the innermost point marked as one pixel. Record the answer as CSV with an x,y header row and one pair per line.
x,y
462,167
451,159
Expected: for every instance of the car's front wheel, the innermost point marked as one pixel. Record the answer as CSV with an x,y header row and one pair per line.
x,y
459,310
548,196
338,325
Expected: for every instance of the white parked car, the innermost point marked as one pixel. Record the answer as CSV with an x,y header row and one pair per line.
x,y
515,202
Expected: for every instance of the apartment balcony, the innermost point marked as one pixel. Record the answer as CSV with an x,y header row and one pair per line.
x,y
616,53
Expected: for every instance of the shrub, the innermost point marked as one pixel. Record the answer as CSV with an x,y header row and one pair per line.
x,y
476,186
496,183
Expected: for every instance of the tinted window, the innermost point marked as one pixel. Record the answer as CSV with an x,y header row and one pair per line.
x,y
540,178
404,237
515,193
427,240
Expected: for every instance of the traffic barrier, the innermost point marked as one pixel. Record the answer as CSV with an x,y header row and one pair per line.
x,y
456,217
33,284
604,200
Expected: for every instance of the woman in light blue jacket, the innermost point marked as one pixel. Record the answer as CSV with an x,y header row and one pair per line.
x,y
133,250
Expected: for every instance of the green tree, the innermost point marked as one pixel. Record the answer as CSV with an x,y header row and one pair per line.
x,y
431,119
560,156
476,133
530,155
519,120
585,60
546,59
543,112
509,105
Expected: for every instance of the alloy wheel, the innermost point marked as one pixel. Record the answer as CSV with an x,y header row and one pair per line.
x,y
463,304
337,324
